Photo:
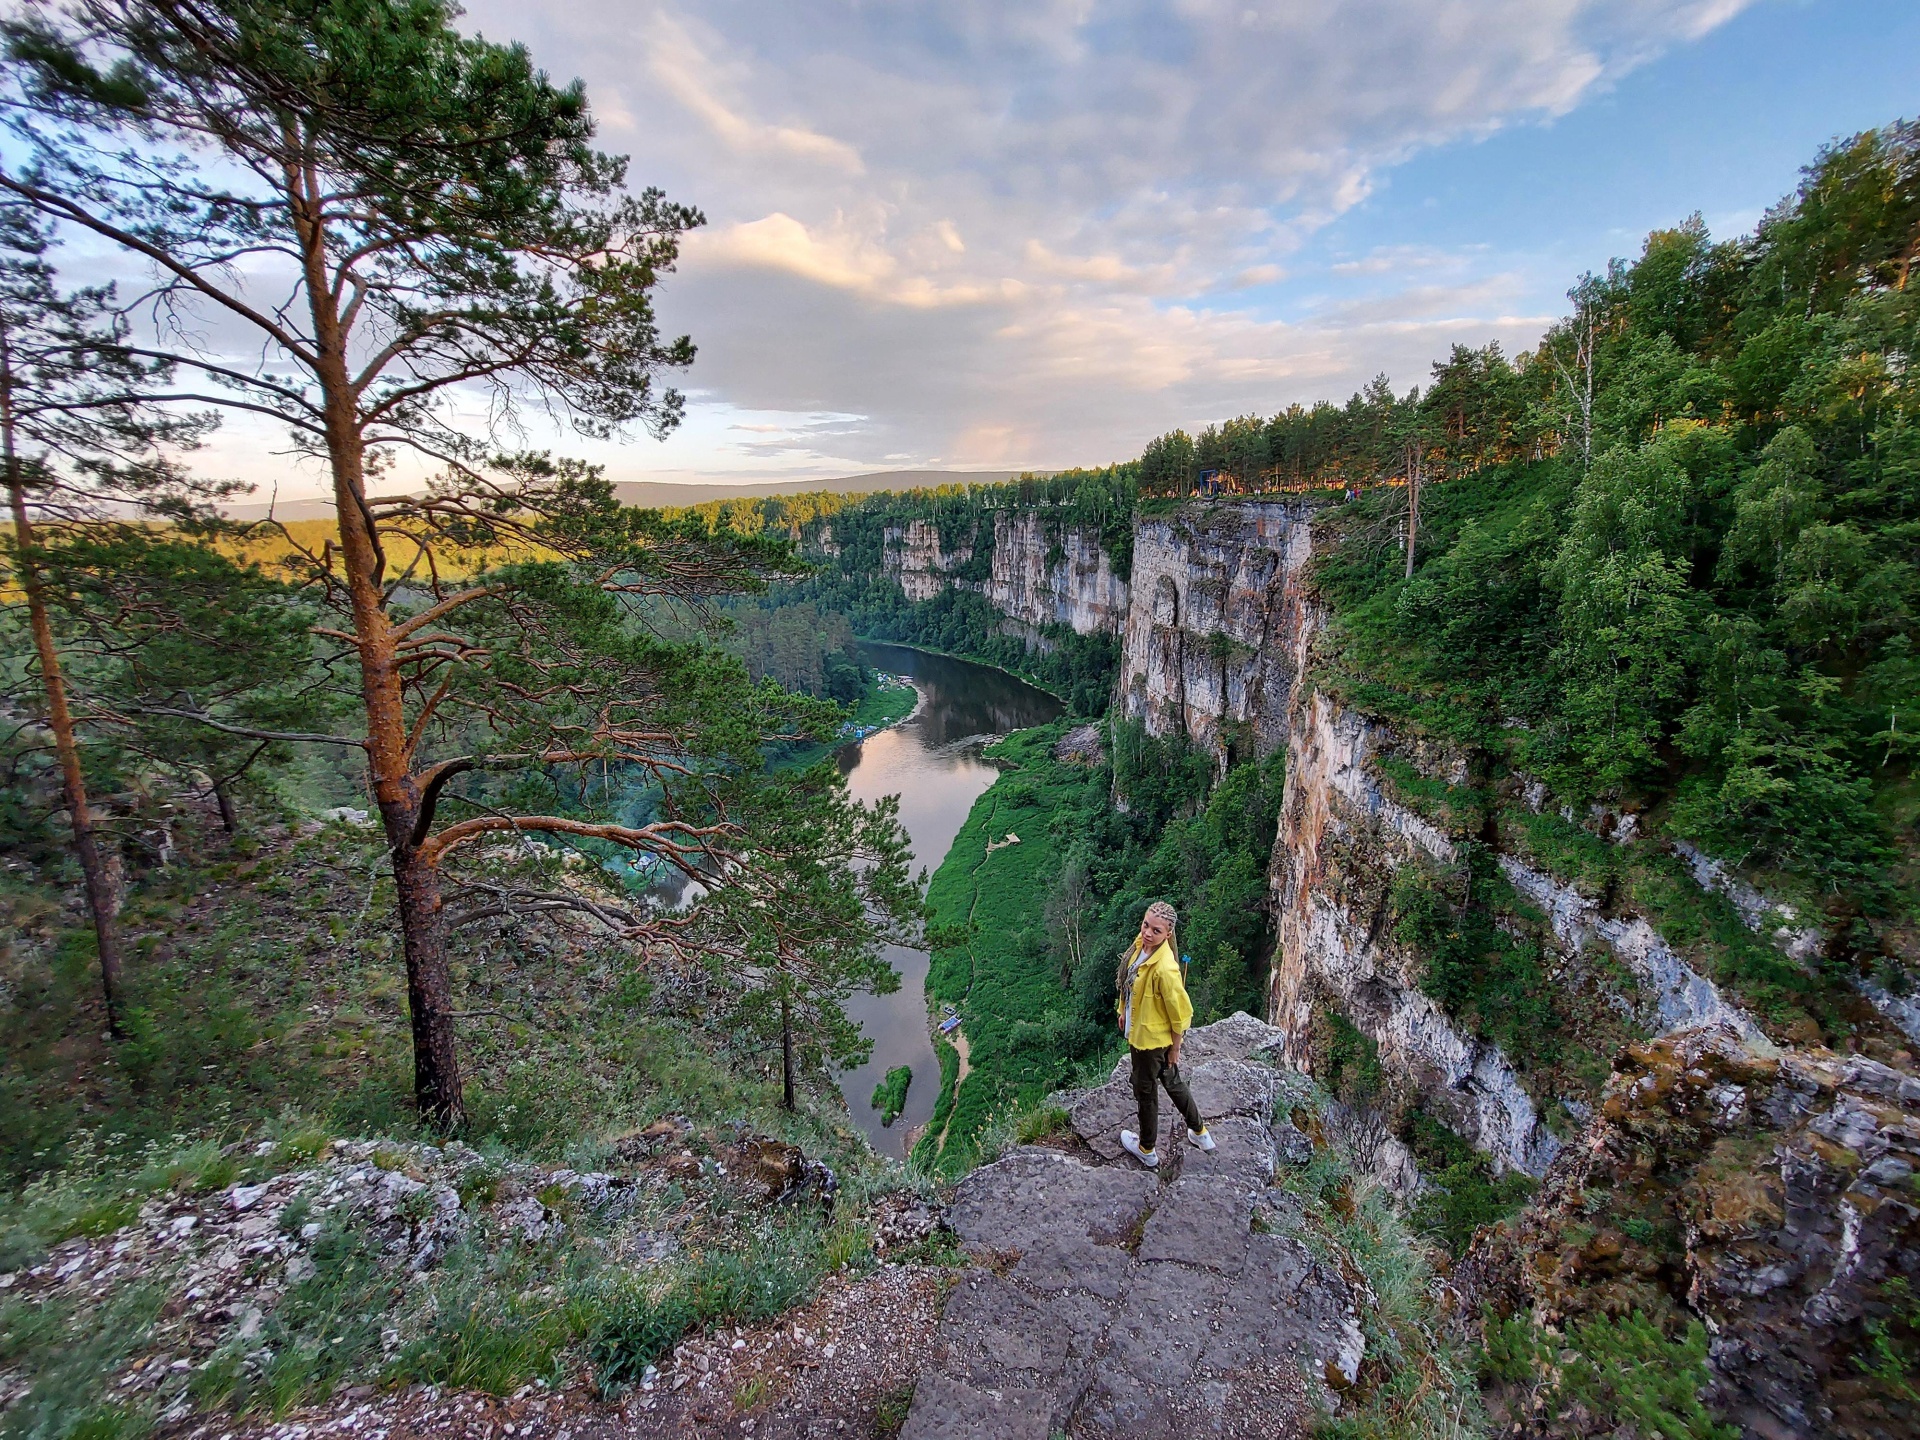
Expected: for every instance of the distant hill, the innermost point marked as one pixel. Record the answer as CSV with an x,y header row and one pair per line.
x,y
659,492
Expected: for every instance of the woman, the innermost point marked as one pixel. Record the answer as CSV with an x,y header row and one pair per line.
x,y
1154,1013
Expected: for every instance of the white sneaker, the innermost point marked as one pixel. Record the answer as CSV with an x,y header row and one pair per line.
x,y
1130,1143
1203,1140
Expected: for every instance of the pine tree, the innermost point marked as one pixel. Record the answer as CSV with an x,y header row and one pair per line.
x,y
79,445
425,220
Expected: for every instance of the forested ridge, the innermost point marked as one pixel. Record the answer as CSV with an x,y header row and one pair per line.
x,y
1667,557
458,880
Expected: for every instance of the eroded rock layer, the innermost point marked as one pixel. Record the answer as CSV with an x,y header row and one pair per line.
x,y
1219,624
1773,1199
1341,840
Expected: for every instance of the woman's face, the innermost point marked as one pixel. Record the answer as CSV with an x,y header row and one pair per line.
x,y
1154,930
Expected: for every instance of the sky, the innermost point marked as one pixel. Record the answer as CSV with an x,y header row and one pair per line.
x,y
1036,233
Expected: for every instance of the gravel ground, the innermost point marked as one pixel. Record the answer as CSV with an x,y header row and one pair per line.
x,y
842,1366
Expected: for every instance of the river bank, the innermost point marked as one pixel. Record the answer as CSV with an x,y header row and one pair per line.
x,y
933,761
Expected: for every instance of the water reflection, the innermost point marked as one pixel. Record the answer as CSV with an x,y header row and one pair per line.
x,y
932,763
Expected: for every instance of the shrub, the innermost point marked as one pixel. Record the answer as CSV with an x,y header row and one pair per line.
x,y
1628,1371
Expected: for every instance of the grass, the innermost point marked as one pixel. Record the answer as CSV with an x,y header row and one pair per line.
x,y
998,973
271,984
270,1017
885,703
1465,1193
636,1320
66,1355
1623,1371
1417,1381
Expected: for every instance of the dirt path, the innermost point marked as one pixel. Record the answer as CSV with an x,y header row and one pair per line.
x,y
965,1052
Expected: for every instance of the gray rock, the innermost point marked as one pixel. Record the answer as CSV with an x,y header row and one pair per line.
x,y
1036,1195
1238,1037
1103,1113
1290,1146
992,1331
1243,1149
1203,1220
948,1409
1224,1086
1164,1325
1082,1337
1073,1263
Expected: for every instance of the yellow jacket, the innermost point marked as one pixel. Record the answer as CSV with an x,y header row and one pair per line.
x,y
1161,1009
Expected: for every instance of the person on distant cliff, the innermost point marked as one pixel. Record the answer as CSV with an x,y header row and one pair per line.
x,y
1154,1013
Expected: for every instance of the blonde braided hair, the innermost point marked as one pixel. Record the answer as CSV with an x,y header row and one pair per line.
x,y
1159,910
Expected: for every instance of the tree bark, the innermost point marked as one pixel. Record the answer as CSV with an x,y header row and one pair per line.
x,y
396,791
786,1053
1414,478
102,893
229,822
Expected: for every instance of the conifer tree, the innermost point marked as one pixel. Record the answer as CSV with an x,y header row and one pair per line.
x,y
408,225
79,447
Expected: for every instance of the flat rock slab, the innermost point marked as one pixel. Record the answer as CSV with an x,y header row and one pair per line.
x,y
1034,1196
1101,1114
949,1409
1221,1087
1202,1220
1243,1148
1142,1305
1072,1263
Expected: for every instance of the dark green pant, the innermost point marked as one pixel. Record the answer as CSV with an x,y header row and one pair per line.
x,y
1150,1072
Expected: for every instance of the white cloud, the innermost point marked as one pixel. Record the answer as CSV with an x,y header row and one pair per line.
x,y
1040,231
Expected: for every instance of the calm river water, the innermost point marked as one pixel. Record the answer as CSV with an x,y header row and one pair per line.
x,y
932,762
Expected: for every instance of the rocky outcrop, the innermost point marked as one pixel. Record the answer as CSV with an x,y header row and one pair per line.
x,y
1675,996
1045,573
1219,623
1127,1303
1341,839
1783,924
1772,1198
1042,573
915,557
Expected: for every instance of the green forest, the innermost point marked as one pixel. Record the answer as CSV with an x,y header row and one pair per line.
x,y
483,842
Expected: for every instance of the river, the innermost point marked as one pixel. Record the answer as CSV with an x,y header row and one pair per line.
x,y
932,762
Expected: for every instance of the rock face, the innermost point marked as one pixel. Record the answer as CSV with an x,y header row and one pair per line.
x,y
1341,838
1050,574
1219,624
1678,997
915,558
1773,1199
1042,573
1131,1303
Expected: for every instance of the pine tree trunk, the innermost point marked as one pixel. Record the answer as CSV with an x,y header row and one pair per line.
x,y
396,790
786,1053
423,931
1414,478
229,822
102,894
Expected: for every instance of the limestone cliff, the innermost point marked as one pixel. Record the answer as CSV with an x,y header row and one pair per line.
x,y
1050,574
1340,842
1219,624
915,557
1041,572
